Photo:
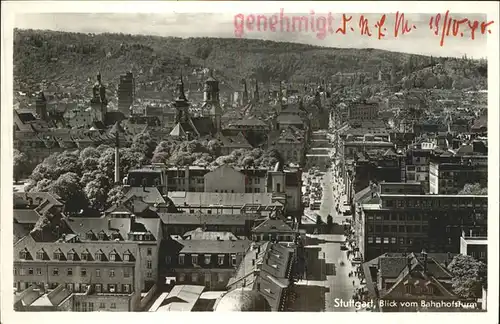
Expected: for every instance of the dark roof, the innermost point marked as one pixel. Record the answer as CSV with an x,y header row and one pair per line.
x,y
149,195
20,231
112,117
203,125
26,216
248,122
242,300
391,264
214,246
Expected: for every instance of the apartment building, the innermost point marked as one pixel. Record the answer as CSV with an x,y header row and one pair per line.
x,y
409,221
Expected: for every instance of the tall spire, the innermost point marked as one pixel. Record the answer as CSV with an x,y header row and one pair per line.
x,y
181,96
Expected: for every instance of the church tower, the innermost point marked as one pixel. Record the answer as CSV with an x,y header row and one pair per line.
x,y
99,102
41,106
181,103
211,103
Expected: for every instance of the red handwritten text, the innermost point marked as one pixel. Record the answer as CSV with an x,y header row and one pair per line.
x,y
380,25
363,26
448,26
401,25
342,29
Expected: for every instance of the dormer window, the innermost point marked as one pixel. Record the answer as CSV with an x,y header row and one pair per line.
x,y
86,256
71,255
90,236
408,289
24,254
99,256
127,256
58,255
102,236
40,255
113,256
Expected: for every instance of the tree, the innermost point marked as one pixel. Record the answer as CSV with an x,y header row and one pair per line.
x,y
115,195
20,165
469,276
144,143
67,186
473,189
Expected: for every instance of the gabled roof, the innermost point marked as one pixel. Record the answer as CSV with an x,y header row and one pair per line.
x,y
178,131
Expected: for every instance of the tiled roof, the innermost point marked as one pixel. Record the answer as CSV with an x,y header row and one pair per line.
x,y
214,247
92,248
391,264
203,125
273,226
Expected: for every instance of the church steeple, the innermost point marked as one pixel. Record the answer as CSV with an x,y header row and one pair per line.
x,y
181,103
211,103
99,102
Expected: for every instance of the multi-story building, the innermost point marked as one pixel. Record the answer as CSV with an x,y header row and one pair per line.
x,y
474,245
398,217
105,262
126,93
417,163
362,111
449,176
209,259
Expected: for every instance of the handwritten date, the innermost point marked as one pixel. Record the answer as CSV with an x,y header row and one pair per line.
x,y
446,26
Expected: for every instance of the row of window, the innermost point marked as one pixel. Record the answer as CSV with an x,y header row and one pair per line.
x,y
426,202
394,240
397,229
69,272
420,217
249,190
73,256
206,259
195,277
89,307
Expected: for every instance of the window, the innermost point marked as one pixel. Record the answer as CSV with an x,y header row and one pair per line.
x,y
126,273
208,258
393,240
401,228
112,256
126,288
83,272
220,277
112,288
23,255
257,190
40,255
207,277
86,256
194,277
97,272
111,272
22,272
113,306
408,288
181,277
39,271
149,264
69,271
99,256
71,256
378,240
98,288
194,259
149,274
102,305
181,258
220,259
370,239
84,306
386,240
233,260
149,251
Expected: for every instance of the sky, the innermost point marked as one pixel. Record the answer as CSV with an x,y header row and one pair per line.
x,y
420,40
